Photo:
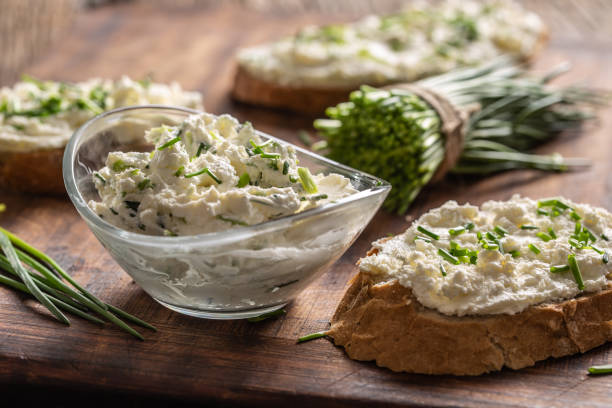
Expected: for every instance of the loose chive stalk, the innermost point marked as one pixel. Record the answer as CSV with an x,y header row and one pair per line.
x,y
534,249
169,143
9,251
265,316
427,232
529,227
307,181
601,369
573,264
559,268
312,336
129,317
57,302
30,250
448,257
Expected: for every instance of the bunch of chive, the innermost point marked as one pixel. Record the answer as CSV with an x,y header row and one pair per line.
x,y
396,135
35,273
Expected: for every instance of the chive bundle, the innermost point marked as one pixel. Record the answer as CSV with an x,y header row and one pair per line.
x,y
394,134
37,274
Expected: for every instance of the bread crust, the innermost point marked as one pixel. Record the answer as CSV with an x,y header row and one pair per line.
x,y
38,171
385,322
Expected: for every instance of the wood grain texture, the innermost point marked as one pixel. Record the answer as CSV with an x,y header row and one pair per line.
x,y
260,364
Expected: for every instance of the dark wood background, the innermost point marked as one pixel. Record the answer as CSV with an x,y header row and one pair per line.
x,y
193,361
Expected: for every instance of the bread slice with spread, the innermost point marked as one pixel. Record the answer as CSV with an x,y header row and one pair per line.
x,y
319,66
466,291
37,119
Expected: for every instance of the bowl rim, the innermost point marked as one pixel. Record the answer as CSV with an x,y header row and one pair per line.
x,y
380,186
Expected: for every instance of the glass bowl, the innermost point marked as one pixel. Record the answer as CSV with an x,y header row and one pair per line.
x,y
234,274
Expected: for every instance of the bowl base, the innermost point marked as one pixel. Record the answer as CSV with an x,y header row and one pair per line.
x,y
220,315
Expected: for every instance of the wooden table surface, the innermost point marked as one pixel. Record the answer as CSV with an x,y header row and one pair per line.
x,y
236,362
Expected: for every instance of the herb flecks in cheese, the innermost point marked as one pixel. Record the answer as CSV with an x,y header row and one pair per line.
x,y
500,265
208,174
36,115
418,42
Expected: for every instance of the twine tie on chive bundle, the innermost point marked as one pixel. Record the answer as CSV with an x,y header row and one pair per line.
x,y
453,126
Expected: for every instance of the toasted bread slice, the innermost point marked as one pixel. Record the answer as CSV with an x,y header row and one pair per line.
x,y
38,171
384,322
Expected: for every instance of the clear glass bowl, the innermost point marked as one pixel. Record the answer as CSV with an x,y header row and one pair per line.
x,y
234,274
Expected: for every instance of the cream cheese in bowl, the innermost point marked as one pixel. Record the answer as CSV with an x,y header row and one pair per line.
x,y
211,217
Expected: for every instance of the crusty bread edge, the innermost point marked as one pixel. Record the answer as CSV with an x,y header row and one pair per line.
x,y
39,171
383,322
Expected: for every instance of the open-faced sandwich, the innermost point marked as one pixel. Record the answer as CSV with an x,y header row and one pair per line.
x,y
468,290
38,117
319,66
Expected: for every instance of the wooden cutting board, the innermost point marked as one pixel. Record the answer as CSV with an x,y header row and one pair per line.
x,y
236,361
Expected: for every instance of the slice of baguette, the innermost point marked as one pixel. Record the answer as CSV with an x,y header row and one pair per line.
x,y
38,171
384,322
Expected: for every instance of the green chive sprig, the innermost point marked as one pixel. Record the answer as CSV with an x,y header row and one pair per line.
x,y
601,369
573,264
427,232
396,135
41,282
203,171
312,336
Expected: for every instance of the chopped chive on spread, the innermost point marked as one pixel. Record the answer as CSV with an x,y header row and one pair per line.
x,y
544,236
418,237
270,155
605,237
559,268
529,227
500,231
180,171
285,167
231,220
489,246
515,253
243,180
594,248
113,211
442,270
605,259
543,212
120,165
571,260
427,232
447,256
601,369
98,176
534,249
202,147
469,226
456,231
318,197
144,184
169,143
553,203
552,233
132,205
307,181
574,215
204,170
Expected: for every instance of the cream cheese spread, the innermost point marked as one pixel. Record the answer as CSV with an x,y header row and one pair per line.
x,y
208,174
37,115
420,41
501,258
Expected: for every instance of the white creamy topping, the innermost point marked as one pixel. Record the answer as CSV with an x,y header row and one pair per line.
x,y
415,43
43,114
498,282
208,174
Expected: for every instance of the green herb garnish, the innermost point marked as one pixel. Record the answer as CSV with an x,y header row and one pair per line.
x,y
605,259
601,369
179,171
285,167
544,236
202,147
559,268
204,170
311,336
573,264
574,215
132,205
529,227
442,270
144,184
501,232
605,237
120,165
534,249
552,233
307,181
99,177
448,257
243,180
428,232
515,253
232,220
169,143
